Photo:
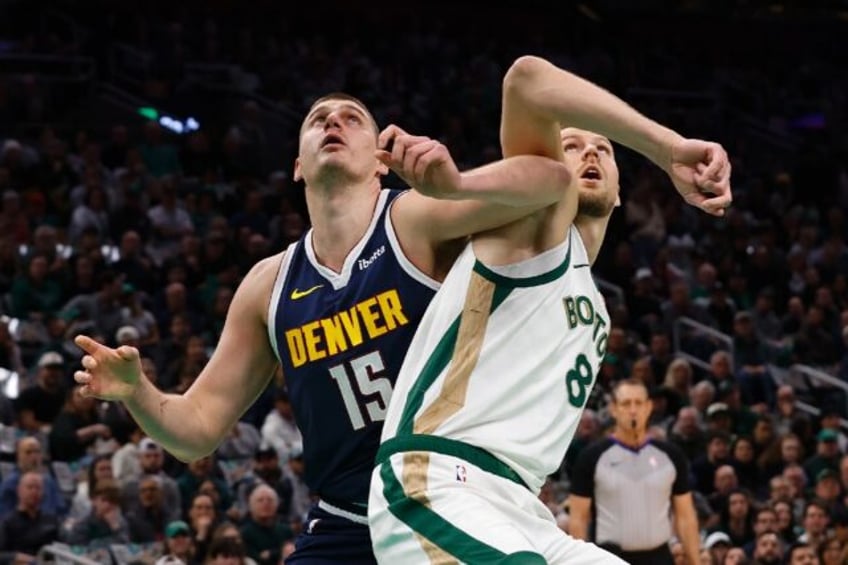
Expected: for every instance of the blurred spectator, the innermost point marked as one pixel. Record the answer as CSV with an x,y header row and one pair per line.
x,y
29,458
76,429
151,459
262,532
148,519
38,405
279,429
28,528
105,524
179,547
98,471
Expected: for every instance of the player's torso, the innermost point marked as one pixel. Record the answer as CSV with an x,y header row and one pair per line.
x,y
341,339
506,361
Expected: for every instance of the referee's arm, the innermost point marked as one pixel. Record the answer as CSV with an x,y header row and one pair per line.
x,y
583,490
579,510
686,526
683,506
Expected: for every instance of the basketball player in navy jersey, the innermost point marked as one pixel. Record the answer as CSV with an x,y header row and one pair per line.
x,y
337,310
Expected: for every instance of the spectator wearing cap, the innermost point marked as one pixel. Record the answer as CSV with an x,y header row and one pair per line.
x,y
279,429
831,419
151,459
827,455
828,491
29,528
179,545
38,405
719,418
29,457
717,543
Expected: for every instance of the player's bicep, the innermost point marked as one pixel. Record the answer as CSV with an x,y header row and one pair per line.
x,y
243,361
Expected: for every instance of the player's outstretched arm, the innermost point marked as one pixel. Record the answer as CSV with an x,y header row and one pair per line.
x,y
191,425
540,98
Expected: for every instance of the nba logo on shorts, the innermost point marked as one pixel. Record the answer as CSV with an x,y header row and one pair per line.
x,y
461,475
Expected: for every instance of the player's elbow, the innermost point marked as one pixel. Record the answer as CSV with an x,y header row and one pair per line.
x,y
523,72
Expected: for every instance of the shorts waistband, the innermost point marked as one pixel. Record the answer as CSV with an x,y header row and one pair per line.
x,y
344,510
470,453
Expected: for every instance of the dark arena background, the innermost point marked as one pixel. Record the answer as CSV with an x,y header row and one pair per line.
x,y
146,160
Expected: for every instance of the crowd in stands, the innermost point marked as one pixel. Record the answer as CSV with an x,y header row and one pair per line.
x,y
139,237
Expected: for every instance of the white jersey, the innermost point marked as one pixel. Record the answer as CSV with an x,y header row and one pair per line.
x,y
505,359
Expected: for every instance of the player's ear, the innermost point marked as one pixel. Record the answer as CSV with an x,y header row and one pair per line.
x,y
297,175
382,169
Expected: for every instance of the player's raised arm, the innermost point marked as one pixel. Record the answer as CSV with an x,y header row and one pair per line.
x,y
427,165
191,425
539,99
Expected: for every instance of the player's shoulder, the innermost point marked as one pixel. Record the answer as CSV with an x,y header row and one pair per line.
x,y
259,280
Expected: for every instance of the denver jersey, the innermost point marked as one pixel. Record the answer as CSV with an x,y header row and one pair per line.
x,y
341,339
505,361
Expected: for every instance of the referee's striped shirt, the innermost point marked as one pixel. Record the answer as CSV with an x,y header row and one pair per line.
x,y
631,490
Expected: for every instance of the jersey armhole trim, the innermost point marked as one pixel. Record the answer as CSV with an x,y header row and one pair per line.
x,y
276,292
404,262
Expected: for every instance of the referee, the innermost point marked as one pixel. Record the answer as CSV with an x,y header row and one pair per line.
x,y
627,485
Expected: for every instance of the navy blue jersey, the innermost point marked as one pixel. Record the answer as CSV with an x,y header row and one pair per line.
x,y
341,339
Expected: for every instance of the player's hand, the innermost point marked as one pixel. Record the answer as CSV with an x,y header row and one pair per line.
x,y
700,170
109,374
423,163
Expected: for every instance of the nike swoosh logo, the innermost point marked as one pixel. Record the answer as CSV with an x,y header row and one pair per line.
x,y
297,294
582,265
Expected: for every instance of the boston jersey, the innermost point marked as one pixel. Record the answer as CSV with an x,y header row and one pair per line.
x,y
505,359
341,339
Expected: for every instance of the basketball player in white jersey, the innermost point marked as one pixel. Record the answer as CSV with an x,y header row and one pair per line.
x,y
494,383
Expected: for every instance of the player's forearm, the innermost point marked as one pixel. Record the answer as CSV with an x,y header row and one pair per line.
x,y
560,96
174,420
523,180
578,527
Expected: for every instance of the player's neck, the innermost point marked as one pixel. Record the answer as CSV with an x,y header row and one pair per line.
x,y
592,231
340,217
